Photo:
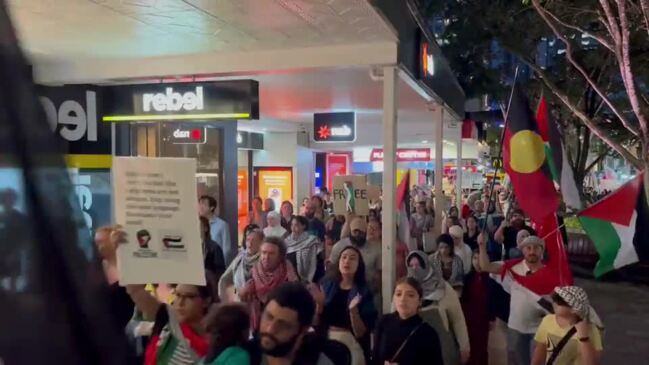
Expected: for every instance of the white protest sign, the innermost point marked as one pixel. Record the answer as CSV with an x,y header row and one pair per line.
x,y
155,202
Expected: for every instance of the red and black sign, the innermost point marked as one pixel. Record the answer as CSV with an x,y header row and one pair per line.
x,y
188,136
334,127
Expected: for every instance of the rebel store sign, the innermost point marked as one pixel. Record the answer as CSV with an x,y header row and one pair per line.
x,y
334,127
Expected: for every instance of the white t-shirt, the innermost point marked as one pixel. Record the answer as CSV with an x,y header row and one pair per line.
x,y
525,314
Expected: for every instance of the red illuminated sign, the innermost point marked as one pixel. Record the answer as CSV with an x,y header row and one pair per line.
x,y
404,155
188,136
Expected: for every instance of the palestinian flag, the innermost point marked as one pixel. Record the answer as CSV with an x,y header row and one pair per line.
x,y
525,161
619,227
557,157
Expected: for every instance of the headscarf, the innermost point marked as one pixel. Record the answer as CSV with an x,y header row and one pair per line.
x,y
457,273
431,282
262,282
577,299
306,248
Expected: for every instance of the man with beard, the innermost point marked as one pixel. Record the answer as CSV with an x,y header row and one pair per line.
x,y
525,312
506,234
283,337
370,247
316,226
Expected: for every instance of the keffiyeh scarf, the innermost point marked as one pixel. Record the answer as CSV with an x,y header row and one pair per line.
x,y
306,247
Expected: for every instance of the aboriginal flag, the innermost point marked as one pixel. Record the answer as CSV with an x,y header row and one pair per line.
x,y
525,160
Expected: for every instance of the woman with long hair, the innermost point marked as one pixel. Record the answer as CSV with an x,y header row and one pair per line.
x,y
402,337
257,214
286,211
305,251
472,232
448,265
348,311
228,329
441,309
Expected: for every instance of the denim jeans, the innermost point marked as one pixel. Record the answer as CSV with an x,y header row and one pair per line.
x,y
519,347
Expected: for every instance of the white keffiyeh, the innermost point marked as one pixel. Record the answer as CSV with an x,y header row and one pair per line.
x,y
306,247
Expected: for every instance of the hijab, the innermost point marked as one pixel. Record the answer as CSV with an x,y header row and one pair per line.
x,y
431,282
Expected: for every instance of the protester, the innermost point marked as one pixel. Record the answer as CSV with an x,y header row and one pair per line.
x,y
239,272
329,243
348,309
506,233
213,259
441,309
319,206
472,232
315,225
335,225
269,205
283,336
258,214
287,212
228,328
402,337
219,229
269,272
557,342
420,223
371,251
305,251
447,264
454,216
478,311
461,249
525,313
274,227
305,202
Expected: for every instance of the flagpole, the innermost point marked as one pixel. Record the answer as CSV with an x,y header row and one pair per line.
x,y
500,152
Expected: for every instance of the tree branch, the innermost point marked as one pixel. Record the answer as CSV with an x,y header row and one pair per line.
x,y
599,39
626,154
627,73
595,161
644,5
569,55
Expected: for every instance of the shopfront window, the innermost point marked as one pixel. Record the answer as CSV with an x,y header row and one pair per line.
x,y
188,140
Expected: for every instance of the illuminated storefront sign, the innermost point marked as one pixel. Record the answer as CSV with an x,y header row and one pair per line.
x,y
334,127
427,60
189,136
404,155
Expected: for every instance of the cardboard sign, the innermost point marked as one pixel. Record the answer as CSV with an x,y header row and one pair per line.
x,y
155,202
373,192
350,195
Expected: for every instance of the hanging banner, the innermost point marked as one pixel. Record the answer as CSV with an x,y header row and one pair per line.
x,y
155,202
350,195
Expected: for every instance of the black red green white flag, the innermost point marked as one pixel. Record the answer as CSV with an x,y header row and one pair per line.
x,y
619,227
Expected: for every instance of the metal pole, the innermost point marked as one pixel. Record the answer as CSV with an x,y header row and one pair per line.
x,y
438,121
458,175
389,218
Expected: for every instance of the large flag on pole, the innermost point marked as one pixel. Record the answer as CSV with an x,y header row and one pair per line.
x,y
525,161
619,226
557,156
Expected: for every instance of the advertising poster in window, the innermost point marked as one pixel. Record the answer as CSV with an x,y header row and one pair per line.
x,y
242,198
337,165
275,183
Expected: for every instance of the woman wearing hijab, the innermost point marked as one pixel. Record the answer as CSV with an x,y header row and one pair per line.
x,y
348,312
446,263
305,251
570,336
274,227
403,337
441,309
477,307
239,271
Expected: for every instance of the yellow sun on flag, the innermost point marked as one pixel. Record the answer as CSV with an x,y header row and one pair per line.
x,y
527,153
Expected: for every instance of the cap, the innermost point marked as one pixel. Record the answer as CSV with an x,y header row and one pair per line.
x,y
358,224
532,240
456,232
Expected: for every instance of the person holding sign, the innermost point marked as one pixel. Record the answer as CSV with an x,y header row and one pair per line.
x,y
178,333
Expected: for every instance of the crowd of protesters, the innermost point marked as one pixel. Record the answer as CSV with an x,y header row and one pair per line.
x,y
306,289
